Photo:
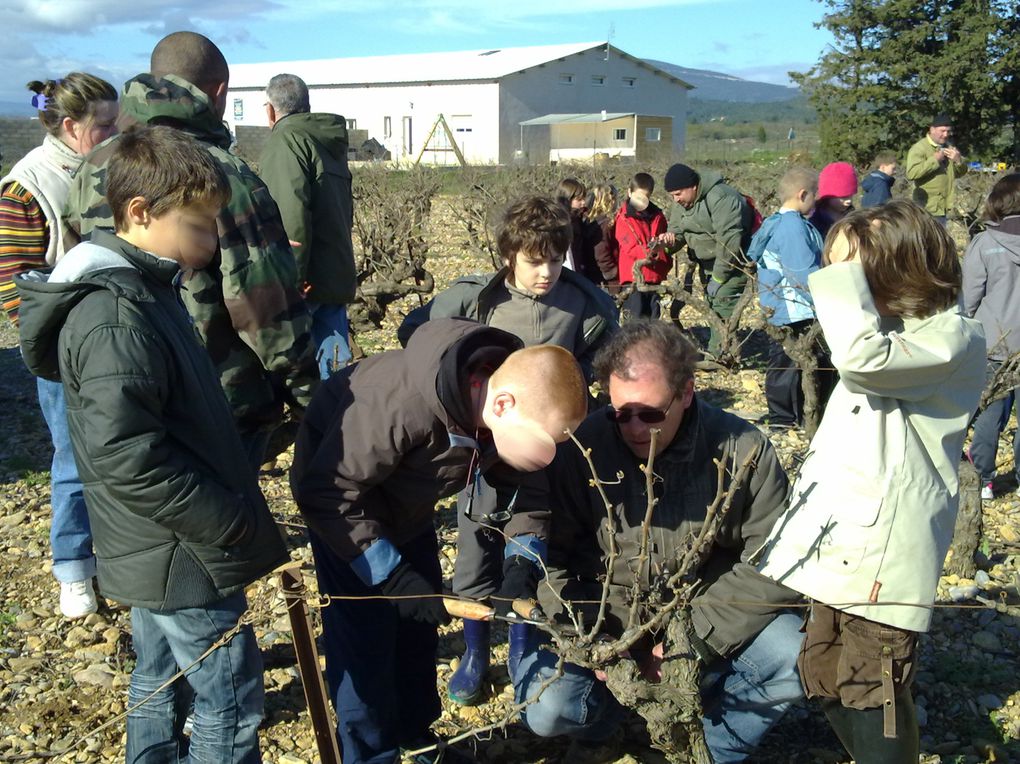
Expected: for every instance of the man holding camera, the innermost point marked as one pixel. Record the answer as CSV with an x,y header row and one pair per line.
x,y
933,164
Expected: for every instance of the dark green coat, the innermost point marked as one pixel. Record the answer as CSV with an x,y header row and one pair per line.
x,y
304,164
717,227
177,516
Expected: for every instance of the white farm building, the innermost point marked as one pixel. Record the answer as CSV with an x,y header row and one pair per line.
x,y
538,103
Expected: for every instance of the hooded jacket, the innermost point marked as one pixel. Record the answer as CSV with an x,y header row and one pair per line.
x,y
246,304
386,438
575,314
304,164
717,227
579,541
877,188
991,283
175,510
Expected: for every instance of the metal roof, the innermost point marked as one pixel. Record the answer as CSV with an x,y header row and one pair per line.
x,y
560,119
454,66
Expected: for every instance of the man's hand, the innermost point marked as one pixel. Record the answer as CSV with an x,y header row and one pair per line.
x,y
667,239
416,599
520,582
940,155
953,154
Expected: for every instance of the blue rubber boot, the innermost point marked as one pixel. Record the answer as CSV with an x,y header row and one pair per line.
x,y
465,686
520,641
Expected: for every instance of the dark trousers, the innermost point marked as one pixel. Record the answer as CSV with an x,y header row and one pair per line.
x,y
640,305
381,669
784,391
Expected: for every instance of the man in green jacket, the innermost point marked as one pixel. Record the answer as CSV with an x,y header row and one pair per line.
x,y
714,220
304,164
933,165
246,305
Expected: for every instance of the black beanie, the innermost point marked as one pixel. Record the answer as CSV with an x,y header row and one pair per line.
x,y
680,176
941,120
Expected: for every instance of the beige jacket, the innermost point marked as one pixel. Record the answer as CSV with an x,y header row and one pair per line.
x,y
872,511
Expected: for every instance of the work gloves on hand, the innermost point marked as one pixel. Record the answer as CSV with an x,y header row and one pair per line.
x,y
520,582
416,597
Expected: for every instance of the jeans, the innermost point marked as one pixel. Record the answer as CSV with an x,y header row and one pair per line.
x,y
70,537
227,686
329,335
381,668
987,428
743,695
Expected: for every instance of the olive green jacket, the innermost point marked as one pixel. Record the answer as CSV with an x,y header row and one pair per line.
x,y
933,180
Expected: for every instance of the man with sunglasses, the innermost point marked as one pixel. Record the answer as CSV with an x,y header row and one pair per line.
x,y
746,638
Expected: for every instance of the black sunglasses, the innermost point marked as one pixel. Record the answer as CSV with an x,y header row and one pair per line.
x,y
648,416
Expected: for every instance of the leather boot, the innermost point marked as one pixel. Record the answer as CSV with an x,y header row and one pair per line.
x,y
465,686
870,746
520,641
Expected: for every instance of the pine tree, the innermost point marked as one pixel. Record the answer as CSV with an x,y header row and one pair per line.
x,y
896,63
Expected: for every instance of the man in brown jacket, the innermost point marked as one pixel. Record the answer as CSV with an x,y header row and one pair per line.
x,y
381,442
749,650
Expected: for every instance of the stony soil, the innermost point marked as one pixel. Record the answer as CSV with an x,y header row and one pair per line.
x,y
64,683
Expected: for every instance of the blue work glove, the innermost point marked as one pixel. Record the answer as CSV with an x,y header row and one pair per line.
x,y
712,287
333,355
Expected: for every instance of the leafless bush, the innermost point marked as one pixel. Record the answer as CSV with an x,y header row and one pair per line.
x,y
391,214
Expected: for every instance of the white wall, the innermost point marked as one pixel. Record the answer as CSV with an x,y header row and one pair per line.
x,y
471,110
539,91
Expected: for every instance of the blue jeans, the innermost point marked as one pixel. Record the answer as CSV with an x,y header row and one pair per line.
x,y
226,686
329,335
381,668
743,695
988,427
70,537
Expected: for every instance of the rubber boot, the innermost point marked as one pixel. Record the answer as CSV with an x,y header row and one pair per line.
x,y
872,747
465,686
520,640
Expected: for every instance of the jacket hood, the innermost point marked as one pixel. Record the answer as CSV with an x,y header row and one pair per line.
x,y
172,101
328,129
47,299
709,178
1005,238
874,180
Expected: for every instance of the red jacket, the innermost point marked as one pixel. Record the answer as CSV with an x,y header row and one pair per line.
x,y
632,231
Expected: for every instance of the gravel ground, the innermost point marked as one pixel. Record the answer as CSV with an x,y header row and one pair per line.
x,y
62,680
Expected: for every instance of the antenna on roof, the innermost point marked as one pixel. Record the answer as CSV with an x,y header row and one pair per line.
x,y
609,38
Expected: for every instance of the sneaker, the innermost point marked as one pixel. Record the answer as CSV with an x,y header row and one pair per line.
x,y
986,492
78,599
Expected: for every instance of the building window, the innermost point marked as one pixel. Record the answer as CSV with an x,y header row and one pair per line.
x,y
620,134
352,124
598,80
629,82
566,79
387,127
653,134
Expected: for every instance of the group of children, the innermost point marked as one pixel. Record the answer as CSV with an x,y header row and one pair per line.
x,y
476,406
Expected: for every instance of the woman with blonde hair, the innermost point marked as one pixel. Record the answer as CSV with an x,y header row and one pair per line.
x,y
78,112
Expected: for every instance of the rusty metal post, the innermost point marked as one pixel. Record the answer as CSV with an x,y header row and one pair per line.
x,y
308,663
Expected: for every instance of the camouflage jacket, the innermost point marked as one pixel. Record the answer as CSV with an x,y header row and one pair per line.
x,y
246,304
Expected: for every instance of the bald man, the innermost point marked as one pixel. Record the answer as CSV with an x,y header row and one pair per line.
x,y
246,305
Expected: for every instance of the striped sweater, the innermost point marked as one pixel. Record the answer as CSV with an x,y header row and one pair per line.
x,y
24,238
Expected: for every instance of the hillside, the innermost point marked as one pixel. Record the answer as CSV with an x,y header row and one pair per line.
x,y
717,86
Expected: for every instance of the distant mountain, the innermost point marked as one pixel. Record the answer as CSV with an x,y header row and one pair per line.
x,y
716,86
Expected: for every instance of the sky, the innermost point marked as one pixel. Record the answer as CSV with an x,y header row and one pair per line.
x,y
113,38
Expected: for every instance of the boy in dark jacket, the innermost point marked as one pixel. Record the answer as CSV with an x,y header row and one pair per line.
x,y
180,525
539,301
879,182
381,443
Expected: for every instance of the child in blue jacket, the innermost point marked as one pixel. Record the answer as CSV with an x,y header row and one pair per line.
x,y
878,183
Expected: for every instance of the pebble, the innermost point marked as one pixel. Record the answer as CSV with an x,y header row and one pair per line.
x,y
963,593
98,674
989,701
982,579
987,642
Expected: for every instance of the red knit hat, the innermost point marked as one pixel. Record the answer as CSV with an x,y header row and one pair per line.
x,y
838,179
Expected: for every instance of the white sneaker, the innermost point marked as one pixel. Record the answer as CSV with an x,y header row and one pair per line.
x,y
78,599
986,492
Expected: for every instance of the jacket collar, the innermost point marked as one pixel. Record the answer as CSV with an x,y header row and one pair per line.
x,y
688,444
159,269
